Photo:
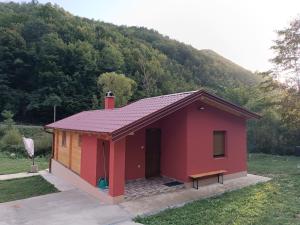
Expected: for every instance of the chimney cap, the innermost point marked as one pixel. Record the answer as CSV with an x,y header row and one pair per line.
x,y
109,94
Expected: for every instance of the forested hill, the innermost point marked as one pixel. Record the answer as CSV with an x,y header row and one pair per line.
x,y
46,52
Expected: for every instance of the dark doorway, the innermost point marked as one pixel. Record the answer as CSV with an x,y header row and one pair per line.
x,y
153,140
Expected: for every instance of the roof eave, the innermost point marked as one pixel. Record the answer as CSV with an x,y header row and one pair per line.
x,y
117,134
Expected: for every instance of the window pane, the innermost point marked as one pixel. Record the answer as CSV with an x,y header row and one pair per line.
x,y
63,140
219,143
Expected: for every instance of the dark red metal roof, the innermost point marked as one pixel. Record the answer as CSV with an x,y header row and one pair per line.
x,y
121,121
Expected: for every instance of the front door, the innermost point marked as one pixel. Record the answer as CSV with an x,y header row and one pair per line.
x,y
153,141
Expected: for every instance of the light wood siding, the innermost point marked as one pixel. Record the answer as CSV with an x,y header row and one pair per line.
x,y
63,150
70,153
76,153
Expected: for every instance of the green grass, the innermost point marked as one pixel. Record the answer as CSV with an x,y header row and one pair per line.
x,y
272,203
21,188
10,165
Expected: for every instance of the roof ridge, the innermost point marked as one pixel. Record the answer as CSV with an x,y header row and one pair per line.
x,y
178,93
159,96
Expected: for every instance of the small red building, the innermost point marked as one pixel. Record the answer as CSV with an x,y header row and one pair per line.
x,y
174,135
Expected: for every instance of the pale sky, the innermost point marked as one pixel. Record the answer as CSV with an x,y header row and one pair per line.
x,y
240,30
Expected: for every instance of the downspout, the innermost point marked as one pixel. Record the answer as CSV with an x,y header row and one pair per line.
x,y
52,149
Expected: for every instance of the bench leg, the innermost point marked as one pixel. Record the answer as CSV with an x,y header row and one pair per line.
x,y
222,178
194,186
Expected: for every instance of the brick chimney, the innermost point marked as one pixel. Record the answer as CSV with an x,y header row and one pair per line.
x,y
109,100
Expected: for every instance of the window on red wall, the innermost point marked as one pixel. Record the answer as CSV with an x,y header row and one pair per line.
x,y
219,143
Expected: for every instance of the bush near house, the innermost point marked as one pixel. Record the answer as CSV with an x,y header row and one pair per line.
x,y
11,140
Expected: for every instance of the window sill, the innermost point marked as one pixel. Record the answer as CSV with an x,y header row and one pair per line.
x,y
220,157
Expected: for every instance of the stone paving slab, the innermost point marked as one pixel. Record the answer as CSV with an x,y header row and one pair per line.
x,y
157,203
148,187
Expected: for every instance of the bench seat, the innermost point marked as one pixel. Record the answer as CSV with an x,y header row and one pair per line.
x,y
196,177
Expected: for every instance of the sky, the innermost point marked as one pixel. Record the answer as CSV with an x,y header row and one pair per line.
x,y
242,31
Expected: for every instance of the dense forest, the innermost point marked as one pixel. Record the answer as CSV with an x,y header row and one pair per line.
x,y
45,51
50,57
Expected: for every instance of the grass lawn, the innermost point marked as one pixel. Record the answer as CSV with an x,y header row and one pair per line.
x,y
24,188
272,203
9,165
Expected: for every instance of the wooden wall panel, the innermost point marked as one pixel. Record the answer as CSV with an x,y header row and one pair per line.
x,y
76,153
70,154
63,151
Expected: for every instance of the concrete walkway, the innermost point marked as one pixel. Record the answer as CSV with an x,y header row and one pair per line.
x,y
72,206
68,207
157,203
17,175
59,183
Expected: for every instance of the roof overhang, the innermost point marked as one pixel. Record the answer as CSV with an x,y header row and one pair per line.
x,y
201,95
102,135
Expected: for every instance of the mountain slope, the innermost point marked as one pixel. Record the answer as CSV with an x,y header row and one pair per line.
x,y
47,52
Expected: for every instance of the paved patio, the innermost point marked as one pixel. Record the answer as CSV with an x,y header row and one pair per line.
x,y
147,187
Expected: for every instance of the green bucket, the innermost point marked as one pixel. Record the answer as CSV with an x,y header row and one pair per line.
x,y
102,183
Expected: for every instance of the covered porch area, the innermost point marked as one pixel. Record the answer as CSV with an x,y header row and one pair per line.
x,y
149,161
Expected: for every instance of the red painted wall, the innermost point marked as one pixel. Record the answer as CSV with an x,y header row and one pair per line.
x,y
187,144
200,127
173,146
173,152
186,147
116,167
88,169
135,155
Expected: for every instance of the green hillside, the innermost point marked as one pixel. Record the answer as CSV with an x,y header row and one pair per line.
x,y
45,52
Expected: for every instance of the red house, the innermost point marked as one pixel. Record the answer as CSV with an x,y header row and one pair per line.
x,y
174,136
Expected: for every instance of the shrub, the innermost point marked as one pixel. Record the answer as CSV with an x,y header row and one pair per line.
x,y
12,137
43,144
11,142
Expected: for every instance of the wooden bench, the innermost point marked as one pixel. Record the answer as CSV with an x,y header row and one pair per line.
x,y
196,177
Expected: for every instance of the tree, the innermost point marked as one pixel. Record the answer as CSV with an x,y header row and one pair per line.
x,y
8,119
149,70
122,86
287,50
287,61
111,58
45,50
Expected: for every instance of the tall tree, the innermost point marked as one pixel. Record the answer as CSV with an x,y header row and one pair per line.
x,y
287,52
122,87
287,60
